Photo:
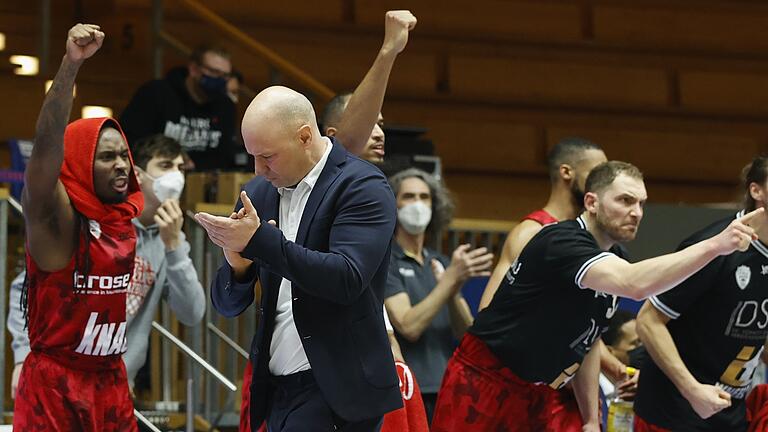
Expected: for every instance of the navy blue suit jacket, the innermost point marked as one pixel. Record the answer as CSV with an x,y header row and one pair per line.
x,y
338,269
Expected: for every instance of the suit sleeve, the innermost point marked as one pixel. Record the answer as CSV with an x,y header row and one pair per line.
x,y
228,296
358,243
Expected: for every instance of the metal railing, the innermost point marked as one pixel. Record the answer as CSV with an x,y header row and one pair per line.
x,y
192,356
278,65
206,258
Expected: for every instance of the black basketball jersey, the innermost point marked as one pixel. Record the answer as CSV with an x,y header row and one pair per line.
x,y
719,322
543,320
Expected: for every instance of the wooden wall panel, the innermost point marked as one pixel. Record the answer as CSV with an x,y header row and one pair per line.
x,y
22,99
555,82
293,11
507,197
672,156
504,197
487,146
342,69
722,28
539,20
725,92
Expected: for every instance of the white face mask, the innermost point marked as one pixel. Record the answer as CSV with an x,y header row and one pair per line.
x,y
414,217
168,186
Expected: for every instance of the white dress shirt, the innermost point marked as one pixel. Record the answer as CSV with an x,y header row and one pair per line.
x,y
287,355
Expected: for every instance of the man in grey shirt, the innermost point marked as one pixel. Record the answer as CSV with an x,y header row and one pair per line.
x,y
162,268
423,290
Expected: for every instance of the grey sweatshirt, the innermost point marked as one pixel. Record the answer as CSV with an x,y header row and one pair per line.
x,y
157,274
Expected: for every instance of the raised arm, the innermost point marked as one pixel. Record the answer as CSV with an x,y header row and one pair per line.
x,y
653,276
363,109
47,210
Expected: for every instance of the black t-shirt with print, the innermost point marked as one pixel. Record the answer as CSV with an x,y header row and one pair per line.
x,y
205,131
719,322
543,321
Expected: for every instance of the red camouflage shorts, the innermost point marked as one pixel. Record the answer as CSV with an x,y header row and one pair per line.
x,y
54,398
479,394
641,425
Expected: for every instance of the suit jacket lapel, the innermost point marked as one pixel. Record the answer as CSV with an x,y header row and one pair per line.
x,y
331,170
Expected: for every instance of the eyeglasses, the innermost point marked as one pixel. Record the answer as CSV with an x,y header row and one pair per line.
x,y
212,71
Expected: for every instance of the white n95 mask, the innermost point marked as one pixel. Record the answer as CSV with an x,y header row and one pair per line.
x,y
168,186
414,217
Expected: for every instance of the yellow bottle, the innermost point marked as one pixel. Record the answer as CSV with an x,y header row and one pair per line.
x,y
621,413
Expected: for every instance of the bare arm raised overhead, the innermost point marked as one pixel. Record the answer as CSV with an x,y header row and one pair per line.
x,y
49,215
362,112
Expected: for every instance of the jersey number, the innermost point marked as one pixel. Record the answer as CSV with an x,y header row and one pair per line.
x,y
741,369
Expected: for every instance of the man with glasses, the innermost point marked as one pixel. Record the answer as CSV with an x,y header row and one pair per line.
x,y
191,106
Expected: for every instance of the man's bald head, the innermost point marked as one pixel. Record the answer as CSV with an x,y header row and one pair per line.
x,y
278,109
280,131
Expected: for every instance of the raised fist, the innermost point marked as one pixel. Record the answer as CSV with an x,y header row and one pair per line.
x,y
83,40
397,24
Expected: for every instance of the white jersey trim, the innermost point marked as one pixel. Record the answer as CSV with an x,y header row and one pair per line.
x,y
587,265
666,310
581,222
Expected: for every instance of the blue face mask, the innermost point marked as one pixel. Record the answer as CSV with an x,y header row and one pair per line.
x,y
213,86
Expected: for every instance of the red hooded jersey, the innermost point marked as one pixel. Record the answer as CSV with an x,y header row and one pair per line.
x,y
77,314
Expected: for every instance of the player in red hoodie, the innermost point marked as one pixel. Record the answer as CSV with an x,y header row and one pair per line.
x,y
79,198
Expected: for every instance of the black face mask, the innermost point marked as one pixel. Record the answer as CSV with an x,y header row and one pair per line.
x,y
213,86
638,357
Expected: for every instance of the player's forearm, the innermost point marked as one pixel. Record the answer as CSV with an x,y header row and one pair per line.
x,y
185,293
612,367
362,111
44,164
649,277
415,320
585,387
397,354
461,317
658,341
656,275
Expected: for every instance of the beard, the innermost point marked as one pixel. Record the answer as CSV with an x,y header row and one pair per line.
x,y
115,199
578,196
614,230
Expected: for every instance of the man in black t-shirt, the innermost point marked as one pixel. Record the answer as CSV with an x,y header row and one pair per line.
x,y
706,335
191,106
556,300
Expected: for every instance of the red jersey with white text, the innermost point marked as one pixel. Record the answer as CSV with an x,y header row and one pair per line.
x,y
77,314
79,319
